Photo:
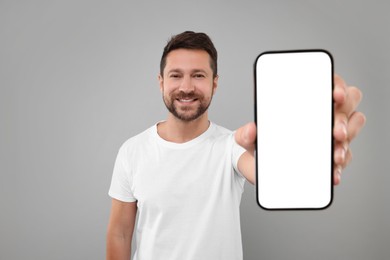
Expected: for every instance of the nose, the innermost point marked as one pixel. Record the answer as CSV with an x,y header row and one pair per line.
x,y
187,85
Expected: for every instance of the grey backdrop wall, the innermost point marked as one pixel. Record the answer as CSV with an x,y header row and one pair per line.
x,y
80,77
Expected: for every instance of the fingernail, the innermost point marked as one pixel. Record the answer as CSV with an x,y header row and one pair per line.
x,y
345,147
343,128
338,170
340,155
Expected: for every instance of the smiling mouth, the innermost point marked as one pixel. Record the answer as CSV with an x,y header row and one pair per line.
x,y
186,100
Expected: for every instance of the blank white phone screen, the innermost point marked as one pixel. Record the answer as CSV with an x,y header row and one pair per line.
x,y
294,115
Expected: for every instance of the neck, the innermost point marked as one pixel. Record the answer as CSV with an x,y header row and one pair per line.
x,y
179,131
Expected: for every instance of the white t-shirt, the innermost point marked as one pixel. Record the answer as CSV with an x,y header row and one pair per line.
x,y
187,194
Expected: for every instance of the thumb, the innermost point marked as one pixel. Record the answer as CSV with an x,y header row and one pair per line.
x,y
245,136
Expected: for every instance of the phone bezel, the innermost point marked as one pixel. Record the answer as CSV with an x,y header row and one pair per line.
x,y
331,194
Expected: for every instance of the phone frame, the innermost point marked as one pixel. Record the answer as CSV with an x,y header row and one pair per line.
x,y
331,130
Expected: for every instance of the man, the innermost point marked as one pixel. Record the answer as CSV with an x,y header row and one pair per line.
x,y
185,175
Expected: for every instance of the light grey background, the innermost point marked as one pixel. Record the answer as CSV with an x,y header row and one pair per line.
x,y
80,77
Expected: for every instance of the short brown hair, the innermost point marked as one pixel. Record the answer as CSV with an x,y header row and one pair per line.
x,y
192,41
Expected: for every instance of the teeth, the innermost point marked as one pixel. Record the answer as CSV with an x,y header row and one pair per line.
x,y
186,100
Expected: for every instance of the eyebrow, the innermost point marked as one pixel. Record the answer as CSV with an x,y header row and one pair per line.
x,y
192,71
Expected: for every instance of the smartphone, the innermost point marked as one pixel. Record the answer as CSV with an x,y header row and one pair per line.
x,y
294,118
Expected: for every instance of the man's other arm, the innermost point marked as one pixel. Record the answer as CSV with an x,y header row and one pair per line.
x,y
120,230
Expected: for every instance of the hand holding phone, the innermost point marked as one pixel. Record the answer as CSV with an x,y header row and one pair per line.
x,y
294,117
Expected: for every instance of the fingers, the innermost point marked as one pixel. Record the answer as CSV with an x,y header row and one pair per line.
x,y
336,175
338,168
355,124
347,123
342,156
348,158
245,136
353,96
340,129
340,90
340,151
346,101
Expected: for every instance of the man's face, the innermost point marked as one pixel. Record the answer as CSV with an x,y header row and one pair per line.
x,y
188,84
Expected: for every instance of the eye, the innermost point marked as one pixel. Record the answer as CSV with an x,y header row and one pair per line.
x,y
175,75
199,75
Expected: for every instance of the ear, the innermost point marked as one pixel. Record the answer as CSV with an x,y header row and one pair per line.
x,y
161,82
215,83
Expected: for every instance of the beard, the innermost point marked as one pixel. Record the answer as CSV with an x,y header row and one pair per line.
x,y
189,112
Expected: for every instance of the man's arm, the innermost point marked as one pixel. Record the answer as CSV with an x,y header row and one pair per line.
x,y
120,229
246,137
348,123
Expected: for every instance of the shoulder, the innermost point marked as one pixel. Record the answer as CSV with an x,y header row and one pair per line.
x,y
138,140
221,130
221,133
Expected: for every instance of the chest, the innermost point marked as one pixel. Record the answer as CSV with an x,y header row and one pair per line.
x,y
178,179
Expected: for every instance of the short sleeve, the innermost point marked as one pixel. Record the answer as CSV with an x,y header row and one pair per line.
x,y
237,151
121,182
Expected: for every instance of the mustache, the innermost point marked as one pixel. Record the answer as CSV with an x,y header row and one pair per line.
x,y
187,95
